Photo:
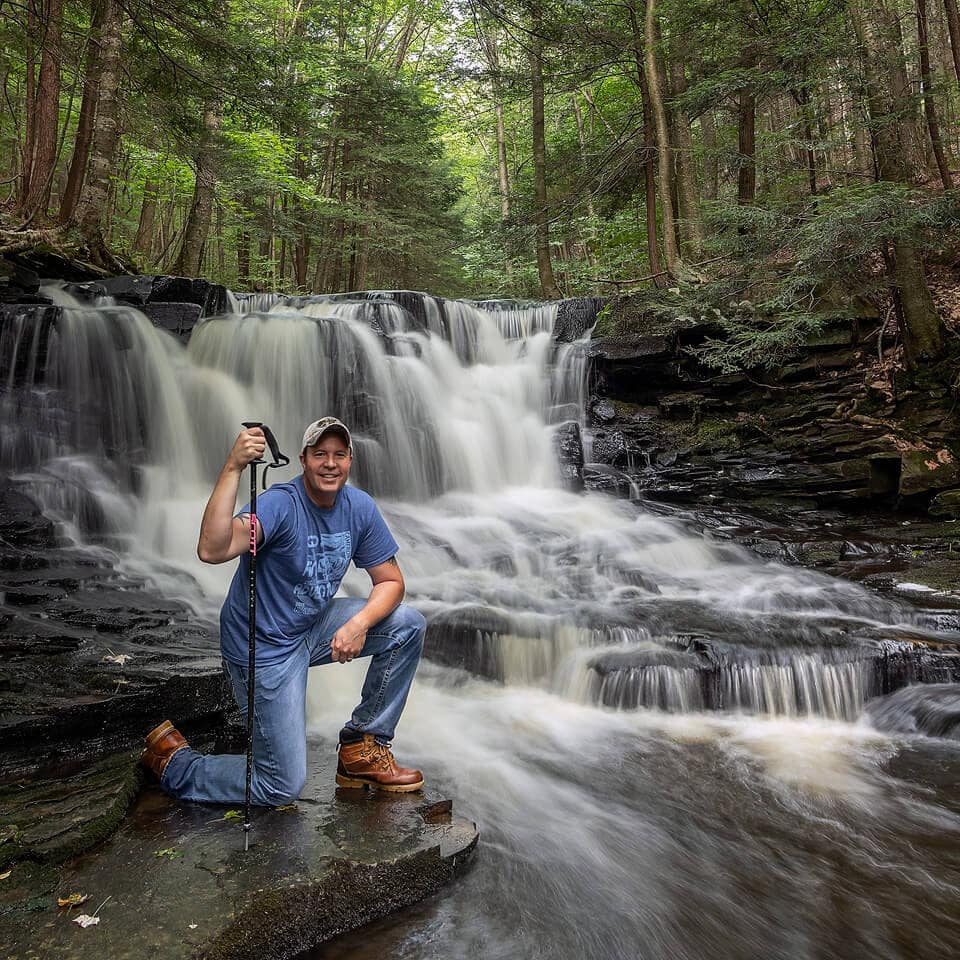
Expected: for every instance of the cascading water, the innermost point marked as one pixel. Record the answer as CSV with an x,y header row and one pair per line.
x,y
732,804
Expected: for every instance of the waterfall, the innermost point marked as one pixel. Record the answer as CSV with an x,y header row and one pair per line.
x,y
120,432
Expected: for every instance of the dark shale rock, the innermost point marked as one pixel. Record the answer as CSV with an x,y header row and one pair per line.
x,y
612,446
922,472
575,317
469,639
640,348
90,659
931,709
946,504
49,265
19,284
569,451
146,289
177,318
602,410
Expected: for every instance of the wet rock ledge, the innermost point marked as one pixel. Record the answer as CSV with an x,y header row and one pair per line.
x,y
174,881
90,658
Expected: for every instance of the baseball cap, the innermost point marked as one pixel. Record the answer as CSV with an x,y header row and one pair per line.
x,y
318,428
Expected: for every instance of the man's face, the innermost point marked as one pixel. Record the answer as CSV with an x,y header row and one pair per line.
x,y
326,466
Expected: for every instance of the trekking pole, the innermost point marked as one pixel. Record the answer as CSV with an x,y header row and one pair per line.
x,y
279,460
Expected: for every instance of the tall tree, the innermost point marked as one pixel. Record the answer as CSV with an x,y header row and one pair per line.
x,y
670,251
883,67
92,203
42,107
541,214
88,111
197,224
929,104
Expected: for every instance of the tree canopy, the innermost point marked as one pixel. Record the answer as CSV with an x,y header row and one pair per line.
x,y
775,150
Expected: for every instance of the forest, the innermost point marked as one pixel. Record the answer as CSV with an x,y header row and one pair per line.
x,y
772,163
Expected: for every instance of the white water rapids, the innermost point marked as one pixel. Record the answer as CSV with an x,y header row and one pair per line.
x,y
776,827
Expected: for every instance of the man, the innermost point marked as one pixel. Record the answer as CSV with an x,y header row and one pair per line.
x,y
308,531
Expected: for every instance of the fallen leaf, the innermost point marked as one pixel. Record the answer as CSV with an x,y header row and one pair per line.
x,y
120,658
3,876
10,832
233,815
74,900
170,852
85,920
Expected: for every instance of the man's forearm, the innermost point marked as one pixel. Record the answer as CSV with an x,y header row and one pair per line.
x,y
384,598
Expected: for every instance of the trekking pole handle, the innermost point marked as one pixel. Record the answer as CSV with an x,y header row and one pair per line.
x,y
279,459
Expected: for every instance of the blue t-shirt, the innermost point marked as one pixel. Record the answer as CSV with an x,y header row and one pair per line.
x,y
304,555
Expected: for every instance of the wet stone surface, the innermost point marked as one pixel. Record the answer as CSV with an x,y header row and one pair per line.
x,y
174,880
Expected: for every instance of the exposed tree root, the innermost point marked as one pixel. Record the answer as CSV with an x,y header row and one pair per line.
x,y
65,241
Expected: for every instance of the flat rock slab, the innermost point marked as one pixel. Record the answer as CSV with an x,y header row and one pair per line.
x,y
174,880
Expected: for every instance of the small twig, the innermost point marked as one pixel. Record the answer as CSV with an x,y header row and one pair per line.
x,y
95,912
883,328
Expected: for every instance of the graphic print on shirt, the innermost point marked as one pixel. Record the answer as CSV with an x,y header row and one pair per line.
x,y
328,556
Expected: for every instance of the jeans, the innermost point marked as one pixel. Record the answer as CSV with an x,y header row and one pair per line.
x,y
279,728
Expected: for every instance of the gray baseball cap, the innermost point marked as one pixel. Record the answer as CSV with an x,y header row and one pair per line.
x,y
318,428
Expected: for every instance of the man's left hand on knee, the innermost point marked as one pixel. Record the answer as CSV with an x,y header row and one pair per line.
x,y
348,642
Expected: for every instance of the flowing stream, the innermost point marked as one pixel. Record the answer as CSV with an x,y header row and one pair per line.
x,y
663,739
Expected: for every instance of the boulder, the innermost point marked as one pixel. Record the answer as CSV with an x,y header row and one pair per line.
x,y
647,348
177,318
568,446
929,709
611,446
924,471
575,318
143,289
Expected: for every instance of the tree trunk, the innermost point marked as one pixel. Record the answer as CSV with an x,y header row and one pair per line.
x,y
548,283
88,111
243,257
923,333
670,251
747,145
687,192
503,182
29,100
926,87
503,178
953,25
197,224
143,241
92,202
301,249
802,98
44,111
591,211
711,167
649,152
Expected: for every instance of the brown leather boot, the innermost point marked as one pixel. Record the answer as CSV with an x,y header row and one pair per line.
x,y
162,743
371,764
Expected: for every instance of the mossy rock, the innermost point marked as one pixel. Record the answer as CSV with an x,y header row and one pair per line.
x,y
714,436
946,504
48,821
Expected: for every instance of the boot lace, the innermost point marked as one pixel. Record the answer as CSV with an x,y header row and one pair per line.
x,y
381,756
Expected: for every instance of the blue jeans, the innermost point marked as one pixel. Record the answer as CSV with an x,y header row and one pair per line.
x,y
279,727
